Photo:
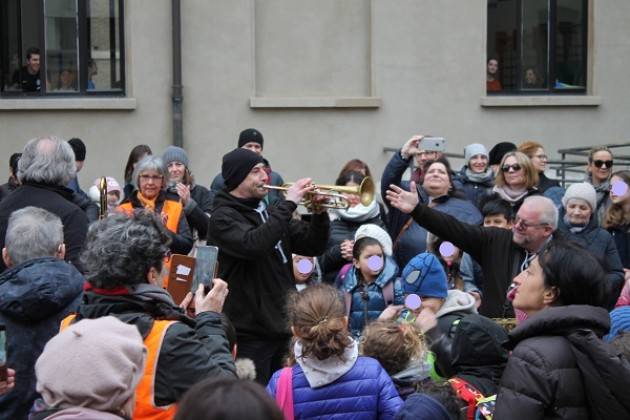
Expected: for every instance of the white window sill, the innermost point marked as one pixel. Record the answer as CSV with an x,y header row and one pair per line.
x,y
548,100
315,102
39,104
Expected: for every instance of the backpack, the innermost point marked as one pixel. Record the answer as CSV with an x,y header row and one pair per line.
x,y
478,406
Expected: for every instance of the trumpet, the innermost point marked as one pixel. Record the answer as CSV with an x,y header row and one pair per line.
x,y
102,189
336,194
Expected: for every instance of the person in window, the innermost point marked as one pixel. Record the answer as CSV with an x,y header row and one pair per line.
x,y
516,179
492,76
598,171
531,80
67,80
27,78
92,71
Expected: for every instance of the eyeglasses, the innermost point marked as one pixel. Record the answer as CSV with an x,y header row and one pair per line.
x,y
542,157
153,178
525,225
506,168
600,163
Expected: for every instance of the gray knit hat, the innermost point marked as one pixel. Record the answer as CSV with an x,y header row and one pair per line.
x,y
474,149
582,191
175,154
95,363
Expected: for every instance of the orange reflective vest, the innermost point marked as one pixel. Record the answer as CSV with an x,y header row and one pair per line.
x,y
145,408
171,212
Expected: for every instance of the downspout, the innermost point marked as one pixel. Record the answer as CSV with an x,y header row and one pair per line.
x,y
177,97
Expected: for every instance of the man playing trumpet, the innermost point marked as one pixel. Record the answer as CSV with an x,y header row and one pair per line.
x,y
255,246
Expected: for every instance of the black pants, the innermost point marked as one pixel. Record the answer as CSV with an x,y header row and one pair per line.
x,y
267,355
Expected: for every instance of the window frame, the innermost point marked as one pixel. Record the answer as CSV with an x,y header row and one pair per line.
x,y
552,27
83,40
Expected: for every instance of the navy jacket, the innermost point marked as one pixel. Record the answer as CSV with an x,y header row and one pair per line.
x,y
34,297
365,392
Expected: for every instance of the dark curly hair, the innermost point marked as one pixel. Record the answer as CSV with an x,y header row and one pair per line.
x,y
120,250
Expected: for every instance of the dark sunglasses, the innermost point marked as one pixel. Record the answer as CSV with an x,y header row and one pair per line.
x,y
506,168
600,163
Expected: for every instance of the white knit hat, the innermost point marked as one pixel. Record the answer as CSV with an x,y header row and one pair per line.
x,y
374,231
582,191
95,363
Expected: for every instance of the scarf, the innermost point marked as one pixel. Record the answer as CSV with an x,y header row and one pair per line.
x,y
146,203
358,213
510,195
319,373
573,228
479,178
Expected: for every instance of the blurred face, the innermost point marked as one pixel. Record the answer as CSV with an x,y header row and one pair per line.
x,y
513,173
79,164
578,212
530,77
540,160
150,184
176,171
527,230
478,164
424,156
302,268
531,294
112,198
436,180
617,189
66,79
497,220
493,67
253,146
253,186
363,264
601,166
33,64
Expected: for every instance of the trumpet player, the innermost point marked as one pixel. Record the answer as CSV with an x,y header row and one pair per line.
x,y
255,246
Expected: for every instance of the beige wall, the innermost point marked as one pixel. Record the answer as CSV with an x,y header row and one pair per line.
x,y
424,59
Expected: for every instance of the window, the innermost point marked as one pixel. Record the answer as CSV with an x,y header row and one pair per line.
x,y
77,44
537,46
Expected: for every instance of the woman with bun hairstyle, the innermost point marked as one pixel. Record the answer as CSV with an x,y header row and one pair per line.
x,y
326,375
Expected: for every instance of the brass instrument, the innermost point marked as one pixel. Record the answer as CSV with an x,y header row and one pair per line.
x,y
102,189
507,323
335,194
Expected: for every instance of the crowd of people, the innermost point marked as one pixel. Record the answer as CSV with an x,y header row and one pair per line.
x,y
489,291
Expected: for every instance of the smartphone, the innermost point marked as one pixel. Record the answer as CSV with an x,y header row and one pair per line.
x,y
433,144
3,353
207,267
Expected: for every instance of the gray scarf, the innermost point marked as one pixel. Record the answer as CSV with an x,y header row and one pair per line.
x,y
479,178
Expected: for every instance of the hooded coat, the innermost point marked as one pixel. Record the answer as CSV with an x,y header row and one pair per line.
x,y
475,190
255,247
35,297
545,377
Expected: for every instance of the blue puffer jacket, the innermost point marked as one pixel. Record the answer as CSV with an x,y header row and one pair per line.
x,y
34,297
413,241
365,392
374,303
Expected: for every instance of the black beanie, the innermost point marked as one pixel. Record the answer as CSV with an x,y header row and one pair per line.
x,y
499,150
236,165
78,147
250,135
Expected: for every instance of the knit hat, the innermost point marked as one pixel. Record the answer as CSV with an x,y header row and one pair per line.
x,y
619,322
78,147
499,150
422,407
582,191
473,150
175,154
236,165
425,276
371,230
250,135
95,363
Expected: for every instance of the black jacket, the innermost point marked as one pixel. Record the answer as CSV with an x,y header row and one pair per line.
x,y
55,199
8,188
34,297
602,245
621,236
545,377
255,259
493,248
545,183
182,241
198,209
192,350
340,230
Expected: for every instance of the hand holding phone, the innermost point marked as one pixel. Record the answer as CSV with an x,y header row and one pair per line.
x,y
433,144
213,300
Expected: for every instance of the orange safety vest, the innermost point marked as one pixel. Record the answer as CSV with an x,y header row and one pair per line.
x,y
145,408
171,212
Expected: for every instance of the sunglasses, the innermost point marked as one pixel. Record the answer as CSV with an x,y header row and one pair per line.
x,y
600,163
506,168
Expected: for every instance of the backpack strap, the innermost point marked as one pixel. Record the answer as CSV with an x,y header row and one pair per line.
x,y
467,393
